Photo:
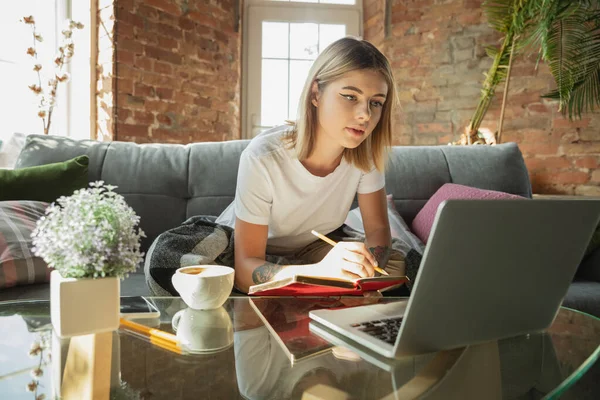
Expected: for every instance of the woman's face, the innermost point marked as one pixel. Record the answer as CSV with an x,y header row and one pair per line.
x,y
349,108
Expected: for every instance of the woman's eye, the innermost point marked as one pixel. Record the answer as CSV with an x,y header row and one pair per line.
x,y
348,97
377,104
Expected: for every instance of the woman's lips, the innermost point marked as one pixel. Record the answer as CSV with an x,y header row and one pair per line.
x,y
356,132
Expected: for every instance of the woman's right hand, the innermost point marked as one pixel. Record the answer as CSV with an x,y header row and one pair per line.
x,y
349,260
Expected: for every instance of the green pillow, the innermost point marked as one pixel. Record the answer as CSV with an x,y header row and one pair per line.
x,y
44,182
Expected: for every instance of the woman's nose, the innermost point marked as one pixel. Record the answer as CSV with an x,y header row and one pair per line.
x,y
363,112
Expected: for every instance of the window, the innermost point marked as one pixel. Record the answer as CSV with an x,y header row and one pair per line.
x,y
18,103
282,39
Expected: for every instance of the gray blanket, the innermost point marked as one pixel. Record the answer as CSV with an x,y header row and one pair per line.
x,y
201,241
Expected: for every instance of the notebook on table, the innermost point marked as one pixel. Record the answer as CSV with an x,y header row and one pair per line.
x,y
288,322
305,285
491,269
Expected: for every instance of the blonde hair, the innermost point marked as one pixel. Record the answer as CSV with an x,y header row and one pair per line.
x,y
340,57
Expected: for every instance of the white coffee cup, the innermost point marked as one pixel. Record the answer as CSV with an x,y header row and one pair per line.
x,y
203,331
204,287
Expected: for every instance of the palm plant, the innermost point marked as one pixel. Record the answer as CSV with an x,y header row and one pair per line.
x,y
564,33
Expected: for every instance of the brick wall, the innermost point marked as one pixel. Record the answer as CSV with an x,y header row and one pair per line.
x,y
177,72
437,51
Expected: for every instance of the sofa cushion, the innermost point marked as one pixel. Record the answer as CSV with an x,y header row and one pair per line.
x,y
414,173
583,296
18,264
45,182
423,222
164,183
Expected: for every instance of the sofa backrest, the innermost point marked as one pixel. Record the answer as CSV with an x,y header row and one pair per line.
x,y
167,183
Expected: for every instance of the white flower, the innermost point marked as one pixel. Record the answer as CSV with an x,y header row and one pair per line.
x,y
91,234
31,386
63,78
73,25
35,349
37,372
35,89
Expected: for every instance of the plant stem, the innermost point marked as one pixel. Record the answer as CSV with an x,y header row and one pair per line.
x,y
51,108
505,95
39,80
47,130
489,89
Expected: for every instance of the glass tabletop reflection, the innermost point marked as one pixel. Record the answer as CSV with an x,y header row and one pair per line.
x,y
264,348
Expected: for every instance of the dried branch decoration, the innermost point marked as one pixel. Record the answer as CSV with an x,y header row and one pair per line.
x,y
64,55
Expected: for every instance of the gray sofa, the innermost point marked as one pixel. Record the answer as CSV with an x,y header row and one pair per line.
x,y
165,184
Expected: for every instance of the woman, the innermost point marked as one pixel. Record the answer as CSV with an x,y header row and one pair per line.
x,y
304,176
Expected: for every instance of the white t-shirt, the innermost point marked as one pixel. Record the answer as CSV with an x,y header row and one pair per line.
x,y
263,371
275,189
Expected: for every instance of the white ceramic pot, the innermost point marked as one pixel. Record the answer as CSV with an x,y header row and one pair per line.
x,y
83,306
88,351
204,287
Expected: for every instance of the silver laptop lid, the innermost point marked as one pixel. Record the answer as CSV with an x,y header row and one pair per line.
x,y
494,269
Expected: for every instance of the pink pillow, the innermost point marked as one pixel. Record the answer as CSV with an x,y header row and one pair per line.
x,y
421,225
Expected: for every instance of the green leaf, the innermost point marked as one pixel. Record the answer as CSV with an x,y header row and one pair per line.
x,y
491,51
498,13
572,52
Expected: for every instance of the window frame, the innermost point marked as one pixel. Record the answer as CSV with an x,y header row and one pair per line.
x,y
252,41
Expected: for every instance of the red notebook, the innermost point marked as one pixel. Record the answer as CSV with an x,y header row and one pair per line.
x,y
303,285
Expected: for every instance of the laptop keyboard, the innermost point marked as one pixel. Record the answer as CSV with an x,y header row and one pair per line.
x,y
383,329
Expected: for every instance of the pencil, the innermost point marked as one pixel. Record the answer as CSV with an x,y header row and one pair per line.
x,y
154,335
163,344
333,243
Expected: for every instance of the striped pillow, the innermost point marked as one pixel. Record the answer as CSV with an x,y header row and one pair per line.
x,y
18,265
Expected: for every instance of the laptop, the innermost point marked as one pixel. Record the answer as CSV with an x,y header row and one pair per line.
x,y
491,269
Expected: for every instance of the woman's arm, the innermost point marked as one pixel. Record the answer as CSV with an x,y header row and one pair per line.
x,y
373,209
251,268
346,259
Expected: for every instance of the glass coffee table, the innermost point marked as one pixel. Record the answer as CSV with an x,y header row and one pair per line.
x,y
264,348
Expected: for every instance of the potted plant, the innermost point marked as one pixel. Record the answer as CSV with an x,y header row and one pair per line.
x,y
91,239
564,33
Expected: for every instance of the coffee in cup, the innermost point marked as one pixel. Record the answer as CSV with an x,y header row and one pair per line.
x,y
192,270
